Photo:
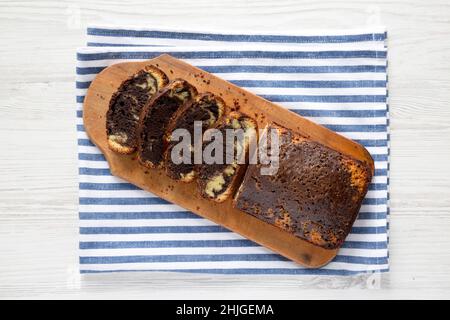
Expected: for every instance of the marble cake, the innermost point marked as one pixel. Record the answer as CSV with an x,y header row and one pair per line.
x,y
206,109
155,119
315,194
218,181
126,105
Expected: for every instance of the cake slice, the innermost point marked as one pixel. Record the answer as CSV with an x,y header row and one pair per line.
x,y
315,194
155,118
126,105
217,181
205,108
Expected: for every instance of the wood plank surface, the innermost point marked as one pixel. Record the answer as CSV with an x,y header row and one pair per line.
x,y
38,164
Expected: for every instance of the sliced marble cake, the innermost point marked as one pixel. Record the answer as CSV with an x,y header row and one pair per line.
x,y
126,105
155,119
217,181
206,110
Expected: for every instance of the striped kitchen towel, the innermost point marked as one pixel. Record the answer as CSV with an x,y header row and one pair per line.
x,y
337,79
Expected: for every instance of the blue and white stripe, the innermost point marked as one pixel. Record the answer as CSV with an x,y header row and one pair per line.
x,y
337,79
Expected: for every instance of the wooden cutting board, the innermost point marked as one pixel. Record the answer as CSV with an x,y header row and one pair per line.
x,y
186,195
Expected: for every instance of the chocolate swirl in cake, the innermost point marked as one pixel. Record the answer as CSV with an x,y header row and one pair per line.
x,y
126,105
218,181
155,118
207,109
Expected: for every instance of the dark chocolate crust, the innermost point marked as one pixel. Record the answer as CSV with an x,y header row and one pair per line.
x,y
228,176
206,108
155,118
316,193
126,105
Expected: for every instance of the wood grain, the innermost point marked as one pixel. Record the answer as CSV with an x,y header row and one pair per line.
x,y
39,192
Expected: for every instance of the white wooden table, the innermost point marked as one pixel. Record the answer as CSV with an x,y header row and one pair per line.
x,y
38,165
